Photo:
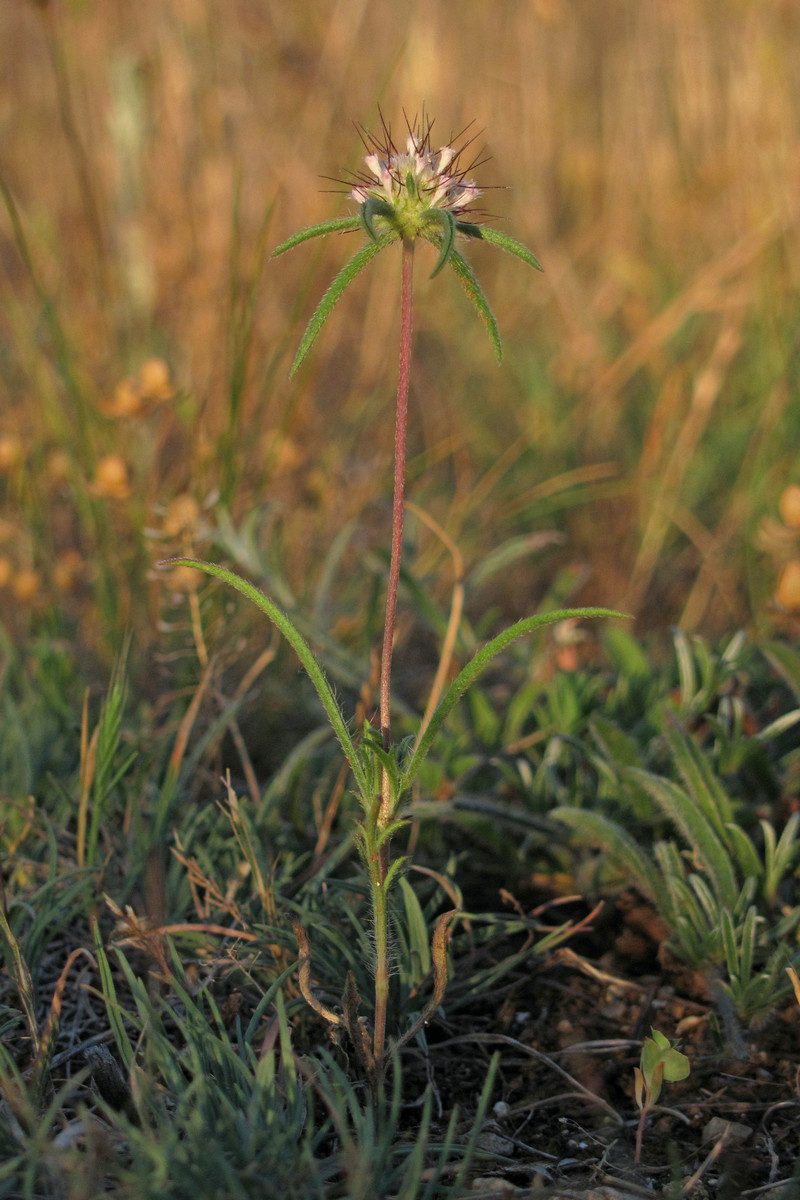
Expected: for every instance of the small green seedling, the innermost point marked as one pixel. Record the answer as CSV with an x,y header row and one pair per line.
x,y
660,1063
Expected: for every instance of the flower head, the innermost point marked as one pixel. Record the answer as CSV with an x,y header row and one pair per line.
x,y
415,189
404,194
417,178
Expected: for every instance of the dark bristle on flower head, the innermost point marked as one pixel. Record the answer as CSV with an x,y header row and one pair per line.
x,y
416,177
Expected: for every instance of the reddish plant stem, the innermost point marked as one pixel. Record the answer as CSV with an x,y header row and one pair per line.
x,y
397,521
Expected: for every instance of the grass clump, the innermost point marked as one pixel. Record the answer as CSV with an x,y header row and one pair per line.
x,y
194,1044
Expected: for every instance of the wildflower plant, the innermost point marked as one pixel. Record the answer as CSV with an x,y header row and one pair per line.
x,y
404,194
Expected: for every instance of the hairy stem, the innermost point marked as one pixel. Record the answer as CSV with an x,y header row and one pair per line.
x,y
397,519
381,975
637,1158
380,870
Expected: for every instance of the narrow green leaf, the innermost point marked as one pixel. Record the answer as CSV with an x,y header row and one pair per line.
x,y
697,830
110,996
484,233
337,225
785,659
688,917
626,653
415,1163
748,944
334,292
747,857
387,832
19,973
416,930
396,868
618,748
478,663
701,783
473,289
708,903
745,897
679,902
729,943
778,726
370,752
688,675
477,1126
592,829
770,844
778,856
475,292
301,649
288,1060
499,559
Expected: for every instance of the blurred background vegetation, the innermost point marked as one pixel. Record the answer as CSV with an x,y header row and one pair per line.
x,y
634,447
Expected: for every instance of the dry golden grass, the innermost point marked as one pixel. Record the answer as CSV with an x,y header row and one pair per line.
x,y
652,157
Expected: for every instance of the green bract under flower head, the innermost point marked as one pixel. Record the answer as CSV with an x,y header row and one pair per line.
x,y
403,195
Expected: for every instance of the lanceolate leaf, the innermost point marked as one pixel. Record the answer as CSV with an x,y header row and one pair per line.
x,y
697,830
478,663
485,234
301,649
593,829
473,289
746,854
337,225
701,783
394,870
334,292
